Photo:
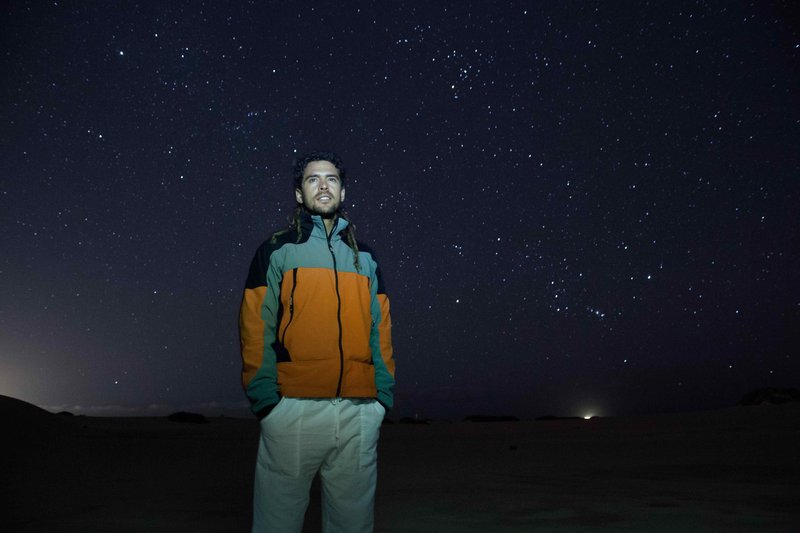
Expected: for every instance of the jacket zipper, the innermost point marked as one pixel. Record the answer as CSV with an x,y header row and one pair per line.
x,y
338,318
291,306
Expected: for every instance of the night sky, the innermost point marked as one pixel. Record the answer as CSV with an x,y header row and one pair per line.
x,y
579,207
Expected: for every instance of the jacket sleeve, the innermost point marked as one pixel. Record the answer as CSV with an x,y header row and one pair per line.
x,y
257,325
381,340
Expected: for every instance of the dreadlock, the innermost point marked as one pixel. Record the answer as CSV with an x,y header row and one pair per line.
x,y
350,236
295,219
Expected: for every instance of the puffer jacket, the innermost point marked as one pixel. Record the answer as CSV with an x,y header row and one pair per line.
x,y
311,324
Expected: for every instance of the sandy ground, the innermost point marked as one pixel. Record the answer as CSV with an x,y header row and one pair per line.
x,y
730,470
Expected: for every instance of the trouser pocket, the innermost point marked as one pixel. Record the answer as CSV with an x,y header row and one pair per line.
x,y
280,438
372,414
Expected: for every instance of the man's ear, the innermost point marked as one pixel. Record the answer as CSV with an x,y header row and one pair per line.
x,y
298,194
342,198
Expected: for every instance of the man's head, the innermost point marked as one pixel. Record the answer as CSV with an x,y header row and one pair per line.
x,y
319,183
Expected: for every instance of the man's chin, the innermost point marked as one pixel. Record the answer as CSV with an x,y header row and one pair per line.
x,y
328,213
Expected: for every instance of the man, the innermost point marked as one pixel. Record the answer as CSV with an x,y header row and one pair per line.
x,y
317,360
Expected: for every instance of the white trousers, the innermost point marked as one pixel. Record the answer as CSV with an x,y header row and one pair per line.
x,y
302,436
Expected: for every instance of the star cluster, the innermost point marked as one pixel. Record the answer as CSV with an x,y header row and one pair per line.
x,y
577,206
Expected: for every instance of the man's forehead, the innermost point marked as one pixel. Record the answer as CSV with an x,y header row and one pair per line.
x,y
321,165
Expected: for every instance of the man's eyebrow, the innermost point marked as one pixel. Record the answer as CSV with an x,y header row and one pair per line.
x,y
317,174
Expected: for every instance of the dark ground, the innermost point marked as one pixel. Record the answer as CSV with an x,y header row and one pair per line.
x,y
731,470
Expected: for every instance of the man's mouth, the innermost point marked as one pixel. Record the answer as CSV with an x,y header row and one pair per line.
x,y
323,197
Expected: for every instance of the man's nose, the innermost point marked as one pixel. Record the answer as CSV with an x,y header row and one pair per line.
x,y
323,184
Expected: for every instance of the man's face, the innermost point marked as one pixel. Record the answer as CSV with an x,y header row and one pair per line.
x,y
321,191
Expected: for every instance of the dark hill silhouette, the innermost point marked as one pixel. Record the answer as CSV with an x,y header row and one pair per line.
x,y
770,395
28,424
14,409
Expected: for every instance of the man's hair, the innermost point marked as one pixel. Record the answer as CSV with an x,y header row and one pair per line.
x,y
302,162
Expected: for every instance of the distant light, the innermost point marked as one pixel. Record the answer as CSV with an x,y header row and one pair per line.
x,y
587,417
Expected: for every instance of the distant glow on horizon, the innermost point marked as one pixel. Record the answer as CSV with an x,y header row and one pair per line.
x,y
587,417
12,382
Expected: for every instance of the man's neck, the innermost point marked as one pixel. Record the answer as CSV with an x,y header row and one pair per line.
x,y
329,223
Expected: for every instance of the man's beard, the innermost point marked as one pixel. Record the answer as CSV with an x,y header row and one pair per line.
x,y
332,212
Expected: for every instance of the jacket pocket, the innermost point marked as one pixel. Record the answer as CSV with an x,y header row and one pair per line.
x,y
291,306
282,354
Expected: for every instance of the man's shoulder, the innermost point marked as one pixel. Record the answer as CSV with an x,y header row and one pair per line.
x,y
367,249
277,240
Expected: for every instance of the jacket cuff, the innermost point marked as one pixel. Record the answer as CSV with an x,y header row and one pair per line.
x,y
385,407
263,412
